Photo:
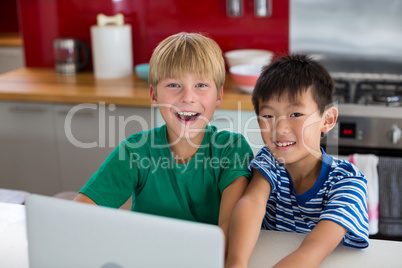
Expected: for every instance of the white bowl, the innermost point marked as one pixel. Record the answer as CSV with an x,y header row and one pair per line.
x,y
245,76
248,56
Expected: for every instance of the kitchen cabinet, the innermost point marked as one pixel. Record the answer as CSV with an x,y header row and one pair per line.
x,y
28,158
88,133
78,144
47,148
64,163
11,58
240,121
52,147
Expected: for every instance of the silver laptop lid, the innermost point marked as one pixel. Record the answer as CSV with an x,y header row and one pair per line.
x,y
64,233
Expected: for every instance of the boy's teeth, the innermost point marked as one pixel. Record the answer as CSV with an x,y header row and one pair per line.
x,y
281,144
187,116
187,113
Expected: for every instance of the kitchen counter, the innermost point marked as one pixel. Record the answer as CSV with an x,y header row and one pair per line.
x,y
270,248
10,40
45,85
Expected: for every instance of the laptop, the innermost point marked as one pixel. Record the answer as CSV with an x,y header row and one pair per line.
x,y
64,233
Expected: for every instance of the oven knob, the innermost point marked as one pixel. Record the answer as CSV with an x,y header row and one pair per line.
x,y
395,134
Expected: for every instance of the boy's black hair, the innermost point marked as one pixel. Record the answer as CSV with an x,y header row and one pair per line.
x,y
293,75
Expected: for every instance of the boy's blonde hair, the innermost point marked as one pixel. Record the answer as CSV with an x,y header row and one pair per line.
x,y
187,53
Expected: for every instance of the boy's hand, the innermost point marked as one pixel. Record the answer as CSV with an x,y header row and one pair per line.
x,y
317,245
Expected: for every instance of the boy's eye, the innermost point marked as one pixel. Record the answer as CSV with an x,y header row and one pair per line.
x,y
268,116
201,85
296,115
172,85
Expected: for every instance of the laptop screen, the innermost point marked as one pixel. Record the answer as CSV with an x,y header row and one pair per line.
x,y
64,233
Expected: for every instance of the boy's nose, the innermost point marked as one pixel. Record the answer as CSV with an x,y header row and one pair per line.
x,y
282,126
187,96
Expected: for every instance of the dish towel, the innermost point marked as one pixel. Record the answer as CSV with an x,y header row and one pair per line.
x,y
390,217
367,164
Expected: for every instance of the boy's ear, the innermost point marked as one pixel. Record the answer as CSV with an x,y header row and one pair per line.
x,y
219,98
329,119
152,95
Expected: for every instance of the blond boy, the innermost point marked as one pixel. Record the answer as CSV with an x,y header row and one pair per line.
x,y
185,169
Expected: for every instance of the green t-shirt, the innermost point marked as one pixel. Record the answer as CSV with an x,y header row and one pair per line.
x,y
143,167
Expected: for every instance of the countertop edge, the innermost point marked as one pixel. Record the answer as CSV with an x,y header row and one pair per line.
x,y
10,40
45,85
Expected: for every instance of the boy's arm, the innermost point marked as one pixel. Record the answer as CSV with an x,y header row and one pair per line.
x,y
84,199
230,195
245,224
317,245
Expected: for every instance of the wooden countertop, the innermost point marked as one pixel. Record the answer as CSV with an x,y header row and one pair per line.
x,y
45,85
10,40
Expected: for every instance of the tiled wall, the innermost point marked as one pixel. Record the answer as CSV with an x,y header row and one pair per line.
x,y
42,21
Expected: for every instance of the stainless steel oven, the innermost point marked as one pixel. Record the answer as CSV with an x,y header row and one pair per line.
x,y
369,99
367,129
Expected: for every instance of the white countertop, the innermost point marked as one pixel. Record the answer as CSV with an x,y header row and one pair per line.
x,y
271,247
13,241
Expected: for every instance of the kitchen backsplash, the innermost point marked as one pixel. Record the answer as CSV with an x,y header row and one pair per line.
x,y
8,17
41,21
359,28
363,28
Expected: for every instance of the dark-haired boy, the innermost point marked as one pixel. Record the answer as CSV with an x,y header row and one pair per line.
x,y
296,186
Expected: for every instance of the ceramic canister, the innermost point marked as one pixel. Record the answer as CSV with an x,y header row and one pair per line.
x,y
112,51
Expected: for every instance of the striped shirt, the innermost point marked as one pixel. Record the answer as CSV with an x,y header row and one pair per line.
x,y
338,195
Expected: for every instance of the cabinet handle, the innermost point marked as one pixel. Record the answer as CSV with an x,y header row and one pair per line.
x,y
21,109
79,113
219,119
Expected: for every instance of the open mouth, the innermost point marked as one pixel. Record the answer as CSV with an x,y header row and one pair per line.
x,y
284,144
187,116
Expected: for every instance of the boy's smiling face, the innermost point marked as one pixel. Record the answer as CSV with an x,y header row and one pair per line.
x,y
292,129
187,104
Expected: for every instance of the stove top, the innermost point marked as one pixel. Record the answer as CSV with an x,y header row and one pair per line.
x,y
366,82
373,82
384,93
368,94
